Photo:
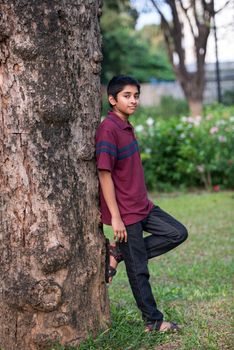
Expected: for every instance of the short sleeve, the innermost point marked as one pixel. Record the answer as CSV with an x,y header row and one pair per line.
x,y
106,149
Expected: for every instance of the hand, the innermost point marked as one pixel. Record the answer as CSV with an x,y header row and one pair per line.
x,y
120,232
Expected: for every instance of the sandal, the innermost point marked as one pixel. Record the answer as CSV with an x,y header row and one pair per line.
x,y
154,326
173,327
115,252
111,250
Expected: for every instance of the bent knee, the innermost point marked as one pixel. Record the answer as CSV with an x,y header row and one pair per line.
x,y
183,234
180,234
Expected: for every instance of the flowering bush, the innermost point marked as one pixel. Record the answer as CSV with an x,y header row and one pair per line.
x,y
186,151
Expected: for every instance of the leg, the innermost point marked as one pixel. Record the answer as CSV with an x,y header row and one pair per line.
x,y
135,257
167,232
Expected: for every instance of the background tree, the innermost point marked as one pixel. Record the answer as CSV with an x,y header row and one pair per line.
x,y
151,35
125,50
51,250
197,16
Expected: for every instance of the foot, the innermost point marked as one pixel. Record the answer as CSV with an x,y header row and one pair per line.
x,y
163,327
169,327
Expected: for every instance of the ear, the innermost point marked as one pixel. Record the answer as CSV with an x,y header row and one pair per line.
x,y
112,100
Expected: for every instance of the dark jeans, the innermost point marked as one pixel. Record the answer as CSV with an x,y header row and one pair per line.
x,y
166,234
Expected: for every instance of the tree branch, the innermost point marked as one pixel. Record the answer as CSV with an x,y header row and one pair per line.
x,y
177,34
198,15
193,5
227,2
185,10
161,14
167,30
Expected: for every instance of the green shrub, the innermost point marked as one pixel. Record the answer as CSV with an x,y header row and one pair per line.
x,y
170,107
188,152
228,97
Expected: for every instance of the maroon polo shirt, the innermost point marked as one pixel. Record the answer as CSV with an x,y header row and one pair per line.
x,y
117,151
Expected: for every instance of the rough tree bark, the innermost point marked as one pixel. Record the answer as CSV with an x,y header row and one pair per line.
x,y
198,15
51,249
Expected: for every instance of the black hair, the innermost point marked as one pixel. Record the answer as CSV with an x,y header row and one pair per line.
x,y
117,84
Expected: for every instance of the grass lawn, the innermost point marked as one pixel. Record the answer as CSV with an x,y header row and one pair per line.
x,y
192,284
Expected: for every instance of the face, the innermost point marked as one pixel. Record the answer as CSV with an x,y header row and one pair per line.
x,y
126,102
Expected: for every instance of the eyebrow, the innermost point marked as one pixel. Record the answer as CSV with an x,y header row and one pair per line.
x,y
129,92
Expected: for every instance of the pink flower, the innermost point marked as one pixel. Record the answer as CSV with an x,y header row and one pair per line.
x,y
192,120
197,120
222,138
213,130
216,188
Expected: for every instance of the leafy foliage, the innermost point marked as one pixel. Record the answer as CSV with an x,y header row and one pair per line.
x,y
127,51
188,152
228,97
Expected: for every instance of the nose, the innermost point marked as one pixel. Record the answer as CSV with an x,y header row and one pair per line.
x,y
133,100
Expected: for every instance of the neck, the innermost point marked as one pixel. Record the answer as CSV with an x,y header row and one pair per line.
x,y
121,115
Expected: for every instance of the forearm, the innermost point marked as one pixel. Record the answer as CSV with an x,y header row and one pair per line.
x,y
108,191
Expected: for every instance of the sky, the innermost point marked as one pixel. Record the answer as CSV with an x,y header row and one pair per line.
x,y
224,24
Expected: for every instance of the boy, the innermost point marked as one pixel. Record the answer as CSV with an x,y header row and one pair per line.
x,y
125,205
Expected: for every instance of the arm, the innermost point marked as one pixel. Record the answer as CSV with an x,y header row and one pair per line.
x,y
108,191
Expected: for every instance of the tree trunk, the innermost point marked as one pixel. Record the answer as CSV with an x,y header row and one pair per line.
x,y
195,107
51,249
193,87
